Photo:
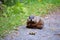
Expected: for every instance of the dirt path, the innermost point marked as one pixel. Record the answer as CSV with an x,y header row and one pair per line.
x,y
51,30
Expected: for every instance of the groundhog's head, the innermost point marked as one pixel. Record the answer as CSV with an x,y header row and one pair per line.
x,y
34,18
31,18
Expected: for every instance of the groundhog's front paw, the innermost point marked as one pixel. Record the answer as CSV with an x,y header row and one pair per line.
x,y
29,27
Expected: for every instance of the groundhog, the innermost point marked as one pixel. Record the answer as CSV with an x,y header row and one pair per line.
x,y
35,22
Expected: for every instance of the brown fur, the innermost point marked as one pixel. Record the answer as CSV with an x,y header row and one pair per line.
x,y
34,24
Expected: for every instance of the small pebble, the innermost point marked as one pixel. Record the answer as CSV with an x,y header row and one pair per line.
x,y
32,33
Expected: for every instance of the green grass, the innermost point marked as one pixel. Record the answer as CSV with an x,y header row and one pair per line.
x,y
16,15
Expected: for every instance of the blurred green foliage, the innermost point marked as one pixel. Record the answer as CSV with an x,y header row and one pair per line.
x,y
11,2
15,12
